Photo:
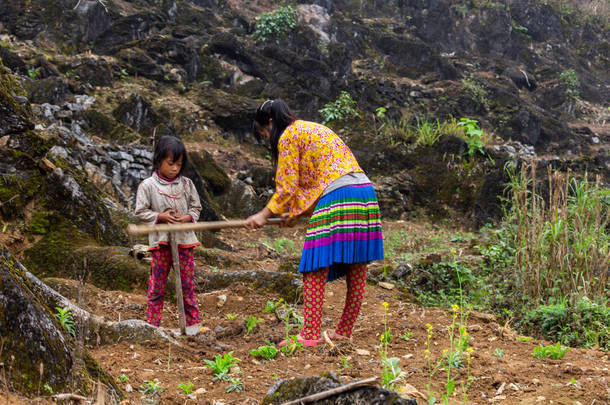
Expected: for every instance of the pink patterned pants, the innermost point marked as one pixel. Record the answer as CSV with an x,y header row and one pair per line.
x,y
314,283
159,269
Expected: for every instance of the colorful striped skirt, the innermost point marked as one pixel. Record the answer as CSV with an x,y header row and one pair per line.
x,y
345,228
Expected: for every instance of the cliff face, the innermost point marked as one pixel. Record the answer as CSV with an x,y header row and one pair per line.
x,y
111,76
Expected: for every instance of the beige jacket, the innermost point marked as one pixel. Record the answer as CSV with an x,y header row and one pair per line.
x,y
156,195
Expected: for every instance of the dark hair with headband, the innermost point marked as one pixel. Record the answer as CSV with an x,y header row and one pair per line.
x,y
280,113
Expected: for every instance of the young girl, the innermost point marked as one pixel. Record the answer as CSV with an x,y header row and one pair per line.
x,y
169,197
317,172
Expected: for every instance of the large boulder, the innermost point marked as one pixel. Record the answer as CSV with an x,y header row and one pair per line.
x,y
295,388
15,113
37,347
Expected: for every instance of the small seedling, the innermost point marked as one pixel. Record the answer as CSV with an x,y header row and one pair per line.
x,y
214,269
48,389
272,307
186,388
231,316
525,338
123,378
344,362
555,352
221,365
236,385
151,387
407,336
251,323
66,318
291,346
266,352
499,353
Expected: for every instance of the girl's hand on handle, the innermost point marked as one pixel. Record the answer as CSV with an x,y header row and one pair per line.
x,y
259,219
167,217
184,219
288,221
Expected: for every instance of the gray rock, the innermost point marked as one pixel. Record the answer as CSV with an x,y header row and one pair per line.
x,y
120,155
295,388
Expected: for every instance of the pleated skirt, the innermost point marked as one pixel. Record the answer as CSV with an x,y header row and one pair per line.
x,y
345,228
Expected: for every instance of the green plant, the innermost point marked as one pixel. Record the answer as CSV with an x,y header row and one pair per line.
x,y
407,336
48,388
66,319
283,245
562,239
477,92
521,338
272,307
576,323
339,109
472,135
498,353
428,133
236,385
32,73
267,352
221,365
251,323
292,345
569,78
391,371
151,387
186,388
555,352
123,378
231,316
344,362
274,24
124,74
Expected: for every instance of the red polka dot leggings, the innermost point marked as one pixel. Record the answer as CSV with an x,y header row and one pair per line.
x,y
159,269
314,283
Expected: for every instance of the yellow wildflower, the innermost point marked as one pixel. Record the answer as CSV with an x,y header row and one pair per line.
x,y
385,305
428,326
470,350
455,308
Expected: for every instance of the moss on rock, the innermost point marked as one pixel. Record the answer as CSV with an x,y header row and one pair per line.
x,y
35,345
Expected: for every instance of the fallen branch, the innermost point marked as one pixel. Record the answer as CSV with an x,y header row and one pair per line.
x,y
333,391
74,397
9,200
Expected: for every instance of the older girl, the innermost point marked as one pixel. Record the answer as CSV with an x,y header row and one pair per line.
x,y
318,174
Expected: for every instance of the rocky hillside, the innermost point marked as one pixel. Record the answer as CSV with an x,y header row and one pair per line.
x,y
87,86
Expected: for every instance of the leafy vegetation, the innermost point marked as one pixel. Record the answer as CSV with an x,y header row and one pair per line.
x,y
251,323
428,133
221,365
66,319
151,387
339,109
555,352
186,388
267,352
477,92
274,24
570,80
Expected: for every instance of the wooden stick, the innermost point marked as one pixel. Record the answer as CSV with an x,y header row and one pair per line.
x,y
136,230
333,391
178,280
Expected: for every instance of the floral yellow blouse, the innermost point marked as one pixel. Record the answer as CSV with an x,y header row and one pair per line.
x,y
310,157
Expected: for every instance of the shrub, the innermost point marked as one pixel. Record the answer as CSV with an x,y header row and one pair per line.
x,y
272,25
569,79
584,323
339,109
477,91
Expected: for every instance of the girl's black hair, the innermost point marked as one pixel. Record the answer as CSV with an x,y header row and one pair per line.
x,y
169,145
280,113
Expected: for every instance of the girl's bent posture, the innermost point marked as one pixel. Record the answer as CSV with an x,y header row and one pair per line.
x,y
169,197
317,174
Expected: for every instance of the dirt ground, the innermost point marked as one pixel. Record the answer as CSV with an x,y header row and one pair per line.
x,y
581,377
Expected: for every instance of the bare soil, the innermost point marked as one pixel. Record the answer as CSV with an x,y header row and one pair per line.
x,y
581,377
